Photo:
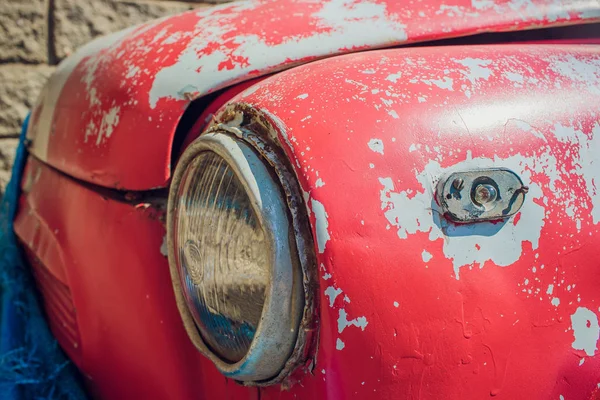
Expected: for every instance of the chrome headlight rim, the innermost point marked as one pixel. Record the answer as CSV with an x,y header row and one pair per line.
x,y
274,341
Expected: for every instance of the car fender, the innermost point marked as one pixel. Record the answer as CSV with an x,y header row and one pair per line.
x,y
109,114
413,305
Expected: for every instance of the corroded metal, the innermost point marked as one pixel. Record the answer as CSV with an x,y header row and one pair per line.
x,y
276,335
457,194
255,128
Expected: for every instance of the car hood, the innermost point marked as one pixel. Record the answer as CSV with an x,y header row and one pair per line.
x,y
108,115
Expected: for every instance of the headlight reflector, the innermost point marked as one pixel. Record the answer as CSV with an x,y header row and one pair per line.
x,y
222,256
233,257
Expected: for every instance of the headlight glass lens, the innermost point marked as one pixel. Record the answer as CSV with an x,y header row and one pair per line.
x,y
223,256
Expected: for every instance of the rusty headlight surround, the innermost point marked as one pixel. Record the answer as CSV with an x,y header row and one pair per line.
x,y
274,353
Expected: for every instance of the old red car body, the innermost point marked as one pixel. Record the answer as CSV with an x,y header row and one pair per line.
x,y
406,303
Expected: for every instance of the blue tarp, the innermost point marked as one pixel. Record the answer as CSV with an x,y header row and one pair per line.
x,y
32,365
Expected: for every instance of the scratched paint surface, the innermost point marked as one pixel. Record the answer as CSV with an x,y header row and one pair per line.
x,y
426,308
109,114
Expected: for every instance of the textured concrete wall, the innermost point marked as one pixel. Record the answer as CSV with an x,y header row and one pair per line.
x,y
35,35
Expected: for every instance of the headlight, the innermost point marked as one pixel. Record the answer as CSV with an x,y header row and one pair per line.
x,y
233,258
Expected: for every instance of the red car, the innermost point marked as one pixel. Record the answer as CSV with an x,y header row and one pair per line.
x,y
341,199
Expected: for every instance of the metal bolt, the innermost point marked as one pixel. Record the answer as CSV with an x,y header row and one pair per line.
x,y
485,194
458,184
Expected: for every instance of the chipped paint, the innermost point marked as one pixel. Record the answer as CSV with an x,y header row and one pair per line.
x,y
343,321
579,70
585,160
586,330
445,83
164,249
332,293
427,256
464,244
107,126
398,259
157,68
345,25
321,224
376,145
555,301
476,69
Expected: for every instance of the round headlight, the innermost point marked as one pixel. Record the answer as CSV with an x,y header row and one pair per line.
x,y
233,258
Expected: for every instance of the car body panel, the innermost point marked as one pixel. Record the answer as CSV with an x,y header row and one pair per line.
x,y
117,318
412,306
109,114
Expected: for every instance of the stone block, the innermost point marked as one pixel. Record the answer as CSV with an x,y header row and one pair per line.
x,y
8,147
19,88
23,31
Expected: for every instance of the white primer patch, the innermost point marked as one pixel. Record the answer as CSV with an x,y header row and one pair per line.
x,y
476,69
514,77
51,94
586,72
108,124
332,293
394,77
164,249
376,145
426,256
586,330
339,345
555,301
393,114
587,160
350,25
132,71
343,322
469,244
446,83
321,224
550,289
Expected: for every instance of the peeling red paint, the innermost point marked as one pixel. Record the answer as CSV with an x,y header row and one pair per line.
x,y
407,309
486,292
125,94
412,306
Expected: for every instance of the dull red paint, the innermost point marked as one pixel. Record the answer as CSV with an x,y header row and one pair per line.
x,y
132,344
109,114
411,305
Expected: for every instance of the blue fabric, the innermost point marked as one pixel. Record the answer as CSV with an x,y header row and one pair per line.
x,y
32,365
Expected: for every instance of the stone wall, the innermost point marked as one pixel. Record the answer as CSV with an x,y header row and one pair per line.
x,y
35,35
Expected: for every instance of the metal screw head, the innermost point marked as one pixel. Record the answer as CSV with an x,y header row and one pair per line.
x,y
458,184
485,194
